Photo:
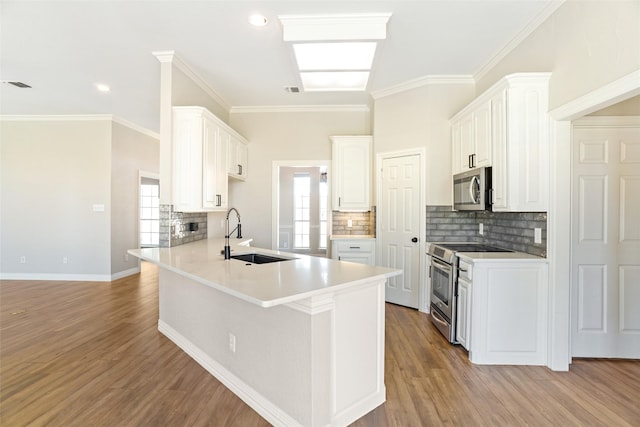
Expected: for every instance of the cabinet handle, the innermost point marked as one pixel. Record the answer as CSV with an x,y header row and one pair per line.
x,y
414,239
218,200
239,169
339,200
354,247
472,161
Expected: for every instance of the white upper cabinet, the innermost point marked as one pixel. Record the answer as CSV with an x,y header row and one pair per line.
x,y
507,128
471,133
237,157
200,182
352,173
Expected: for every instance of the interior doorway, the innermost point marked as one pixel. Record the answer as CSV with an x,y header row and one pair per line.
x,y
302,214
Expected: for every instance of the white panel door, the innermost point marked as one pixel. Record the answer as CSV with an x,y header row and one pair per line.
x,y
606,242
399,217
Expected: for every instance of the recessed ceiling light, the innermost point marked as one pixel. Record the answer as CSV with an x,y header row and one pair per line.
x,y
258,20
102,87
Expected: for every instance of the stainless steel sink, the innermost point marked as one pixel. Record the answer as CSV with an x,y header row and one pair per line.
x,y
258,258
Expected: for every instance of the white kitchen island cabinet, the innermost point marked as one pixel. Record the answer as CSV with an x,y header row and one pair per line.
x,y
508,301
300,341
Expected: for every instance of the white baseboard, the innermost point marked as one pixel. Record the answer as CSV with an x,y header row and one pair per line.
x,y
256,401
70,277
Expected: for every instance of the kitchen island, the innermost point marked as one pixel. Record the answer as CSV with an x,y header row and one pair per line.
x,y
301,341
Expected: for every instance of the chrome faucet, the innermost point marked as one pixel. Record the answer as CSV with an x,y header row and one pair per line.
x,y
227,248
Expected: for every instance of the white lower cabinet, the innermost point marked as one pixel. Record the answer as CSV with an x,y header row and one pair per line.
x,y
506,319
354,250
463,307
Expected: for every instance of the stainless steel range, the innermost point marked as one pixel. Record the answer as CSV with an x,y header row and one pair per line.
x,y
444,282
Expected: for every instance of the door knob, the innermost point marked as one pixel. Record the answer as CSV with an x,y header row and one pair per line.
x,y
414,240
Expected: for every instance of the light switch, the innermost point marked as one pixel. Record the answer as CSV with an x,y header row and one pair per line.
x,y
349,223
481,228
98,208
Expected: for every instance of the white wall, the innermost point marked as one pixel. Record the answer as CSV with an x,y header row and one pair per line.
x,y
280,136
420,118
53,172
585,44
131,152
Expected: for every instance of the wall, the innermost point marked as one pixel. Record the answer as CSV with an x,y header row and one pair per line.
x,y
280,136
630,107
420,118
585,44
53,173
131,152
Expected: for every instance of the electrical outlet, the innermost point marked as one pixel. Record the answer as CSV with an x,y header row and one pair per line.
x,y
126,257
65,260
537,235
349,223
23,259
481,228
232,342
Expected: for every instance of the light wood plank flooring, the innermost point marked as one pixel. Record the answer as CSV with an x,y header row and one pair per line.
x,y
89,353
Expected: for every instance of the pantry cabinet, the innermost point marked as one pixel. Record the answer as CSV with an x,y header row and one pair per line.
x,y
200,160
507,128
352,173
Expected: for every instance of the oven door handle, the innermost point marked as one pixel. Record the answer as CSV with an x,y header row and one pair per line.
x,y
438,317
439,264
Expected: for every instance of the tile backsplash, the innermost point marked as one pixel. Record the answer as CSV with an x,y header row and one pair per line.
x,y
174,227
363,223
509,230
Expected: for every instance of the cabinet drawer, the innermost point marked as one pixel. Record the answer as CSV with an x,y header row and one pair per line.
x,y
364,246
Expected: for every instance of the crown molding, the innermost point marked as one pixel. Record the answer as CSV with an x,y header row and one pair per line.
x,y
498,56
171,57
79,118
619,90
424,81
301,109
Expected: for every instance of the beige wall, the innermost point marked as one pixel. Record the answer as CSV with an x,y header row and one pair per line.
x,y
585,44
280,136
53,172
630,107
131,152
186,92
420,118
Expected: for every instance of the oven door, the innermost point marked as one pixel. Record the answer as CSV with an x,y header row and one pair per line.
x,y
442,281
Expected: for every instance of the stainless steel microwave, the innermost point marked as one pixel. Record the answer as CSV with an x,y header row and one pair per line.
x,y
472,190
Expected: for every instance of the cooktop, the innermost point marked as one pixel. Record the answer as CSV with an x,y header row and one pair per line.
x,y
471,247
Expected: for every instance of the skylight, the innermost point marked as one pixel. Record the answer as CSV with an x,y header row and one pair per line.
x,y
334,52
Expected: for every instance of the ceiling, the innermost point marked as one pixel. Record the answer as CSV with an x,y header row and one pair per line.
x,y
64,48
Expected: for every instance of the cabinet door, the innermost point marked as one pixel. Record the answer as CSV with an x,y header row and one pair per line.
x,y
214,194
187,161
482,135
352,170
467,146
463,321
499,150
456,148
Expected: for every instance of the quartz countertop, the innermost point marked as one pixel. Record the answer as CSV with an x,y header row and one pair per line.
x,y
499,256
265,285
349,236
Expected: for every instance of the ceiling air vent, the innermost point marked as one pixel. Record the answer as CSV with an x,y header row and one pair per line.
x,y
292,89
18,84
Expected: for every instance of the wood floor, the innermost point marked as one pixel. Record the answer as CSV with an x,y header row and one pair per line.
x,y
90,354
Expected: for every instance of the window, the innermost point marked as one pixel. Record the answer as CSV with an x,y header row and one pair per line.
x,y
302,210
324,210
149,213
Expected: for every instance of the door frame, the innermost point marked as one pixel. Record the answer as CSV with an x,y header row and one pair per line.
x,y
275,194
559,214
421,152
